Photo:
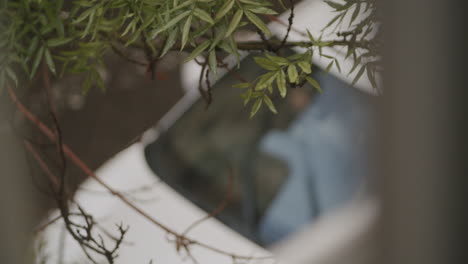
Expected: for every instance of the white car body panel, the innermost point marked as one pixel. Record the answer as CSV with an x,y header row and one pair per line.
x,y
128,170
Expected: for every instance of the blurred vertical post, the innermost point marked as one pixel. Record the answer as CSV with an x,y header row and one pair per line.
x,y
18,212
424,135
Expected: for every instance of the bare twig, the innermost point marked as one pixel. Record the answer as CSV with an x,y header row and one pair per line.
x,y
184,241
220,207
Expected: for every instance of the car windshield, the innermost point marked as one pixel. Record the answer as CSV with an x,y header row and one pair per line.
x,y
276,172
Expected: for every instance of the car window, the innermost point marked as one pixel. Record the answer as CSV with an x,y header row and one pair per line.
x,y
286,169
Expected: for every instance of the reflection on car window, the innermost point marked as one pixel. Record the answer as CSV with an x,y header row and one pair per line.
x,y
289,168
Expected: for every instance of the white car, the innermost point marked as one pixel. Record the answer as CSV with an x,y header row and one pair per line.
x,y
186,161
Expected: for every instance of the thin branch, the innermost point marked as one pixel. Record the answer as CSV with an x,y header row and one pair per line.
x,y
85,168
220,207
289,26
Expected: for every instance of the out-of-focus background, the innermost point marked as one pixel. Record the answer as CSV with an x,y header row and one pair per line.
x,y
419,159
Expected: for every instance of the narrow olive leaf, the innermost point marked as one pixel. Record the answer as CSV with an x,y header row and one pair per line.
x,y
329,66
50,61
305,66
176,7
355,13
255,2
270,104
235,21
261,10
256,107
242,85
170,41
84,15
292,73
371,76
338,65
131,26
310,37
203,15
88,25
314,83
11,75
359,74
296,56
33,46
224,9
356,63
332,21
270,88
213,63
172,22
57,42
265,80
281,83
218,36
335,5
185,32
266,64
36,61
277,59
198,50
258,22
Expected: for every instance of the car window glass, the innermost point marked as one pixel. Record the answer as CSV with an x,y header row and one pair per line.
x,y
287,168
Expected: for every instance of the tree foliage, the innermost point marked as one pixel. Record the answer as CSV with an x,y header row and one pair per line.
x,y
73,39
63,39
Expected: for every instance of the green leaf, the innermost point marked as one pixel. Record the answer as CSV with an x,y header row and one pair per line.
x,y
258,22
170,41
242,85
256,107
235,21
329,66
332,21
266,64
255,2
172,22
198,50
11,75
36,62
358,75
356,63
224,9
281,83
203,15
213,63
220,34
33,46
305,66
335,5
265,80
296,56
338,65
292,73
371,76
310,37
58,42
270,104
261,10
355,13
277,59
185,32
50,61
314,83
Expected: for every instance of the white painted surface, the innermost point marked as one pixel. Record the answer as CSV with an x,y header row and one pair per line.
x,y
128,170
